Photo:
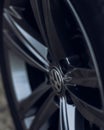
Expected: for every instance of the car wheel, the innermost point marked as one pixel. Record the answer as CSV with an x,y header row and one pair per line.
x,y
51,55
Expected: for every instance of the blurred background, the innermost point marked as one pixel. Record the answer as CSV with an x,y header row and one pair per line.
x,y
6,122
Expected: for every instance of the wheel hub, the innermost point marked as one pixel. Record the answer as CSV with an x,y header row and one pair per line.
x,y
56,79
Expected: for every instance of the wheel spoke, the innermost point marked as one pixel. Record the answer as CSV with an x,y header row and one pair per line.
x,y
46,111
27,42
38,13
82,77
33,98
64,124
55,44
91,113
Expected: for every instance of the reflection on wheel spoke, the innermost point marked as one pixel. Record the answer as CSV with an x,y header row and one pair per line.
x,y
91,113
82,77
33,98
27,43
38,14
55,43
46,111
64,124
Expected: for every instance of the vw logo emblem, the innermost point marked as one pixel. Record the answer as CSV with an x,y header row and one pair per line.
x,y
56,79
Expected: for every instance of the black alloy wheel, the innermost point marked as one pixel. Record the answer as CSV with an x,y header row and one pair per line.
x,y
52,63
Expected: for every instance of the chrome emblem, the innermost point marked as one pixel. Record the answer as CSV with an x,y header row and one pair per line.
x,y
56,78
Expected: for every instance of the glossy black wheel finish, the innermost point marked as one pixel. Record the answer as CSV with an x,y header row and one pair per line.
x,y
49,64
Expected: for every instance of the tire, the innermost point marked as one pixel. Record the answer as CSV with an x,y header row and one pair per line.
x,y
51,57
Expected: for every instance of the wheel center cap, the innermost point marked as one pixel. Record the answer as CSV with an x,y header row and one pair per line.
x,y
56,79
